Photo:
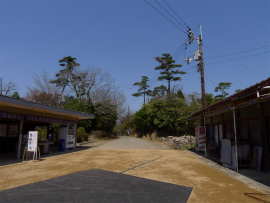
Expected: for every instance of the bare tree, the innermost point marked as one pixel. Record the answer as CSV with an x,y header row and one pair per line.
x,y
43,91
8,88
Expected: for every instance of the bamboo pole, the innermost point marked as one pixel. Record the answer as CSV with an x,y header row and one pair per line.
x,y
235,134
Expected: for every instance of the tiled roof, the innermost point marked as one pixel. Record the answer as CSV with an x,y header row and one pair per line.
x,y
237,96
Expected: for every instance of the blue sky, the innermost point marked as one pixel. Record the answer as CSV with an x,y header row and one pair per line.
x,y
123,37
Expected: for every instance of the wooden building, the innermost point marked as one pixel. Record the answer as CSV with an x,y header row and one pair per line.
x,y
242,119
17,117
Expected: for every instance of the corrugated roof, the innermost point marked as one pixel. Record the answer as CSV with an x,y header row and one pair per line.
x,y
12,102
237,96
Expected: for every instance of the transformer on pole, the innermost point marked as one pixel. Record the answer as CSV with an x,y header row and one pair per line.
x,y
198,56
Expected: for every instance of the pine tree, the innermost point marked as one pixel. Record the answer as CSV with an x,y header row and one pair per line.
x,y
143,86
167,70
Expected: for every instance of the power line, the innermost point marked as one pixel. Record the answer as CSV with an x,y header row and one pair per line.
x,y
180,53
178,49
129,88
235,62
210,80
240,57
176,14
125,86
238,52
170,14
165,16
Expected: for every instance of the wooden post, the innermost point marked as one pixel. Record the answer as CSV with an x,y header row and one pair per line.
x,y
75,129
235,134
205,152
20,140
264,141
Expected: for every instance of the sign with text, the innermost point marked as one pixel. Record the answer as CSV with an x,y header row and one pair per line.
x,y
200,138
32,140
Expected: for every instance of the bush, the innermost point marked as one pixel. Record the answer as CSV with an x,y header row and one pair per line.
x,y
82,135
114,132
85,136
80,130
79,138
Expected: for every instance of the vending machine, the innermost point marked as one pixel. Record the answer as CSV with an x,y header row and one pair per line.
x,y
200,138
68,133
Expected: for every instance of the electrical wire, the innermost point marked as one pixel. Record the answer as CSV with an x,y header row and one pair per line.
x,y
238,52
240,57
234,61
180,53
170,14
175,13
210,80
178,49
165,17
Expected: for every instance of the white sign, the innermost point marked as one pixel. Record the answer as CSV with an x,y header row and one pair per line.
x,y
32,140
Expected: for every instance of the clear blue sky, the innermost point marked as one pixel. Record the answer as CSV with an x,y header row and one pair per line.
x,y
123,37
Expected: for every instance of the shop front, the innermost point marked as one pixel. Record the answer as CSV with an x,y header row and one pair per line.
x,y
19,117
238,128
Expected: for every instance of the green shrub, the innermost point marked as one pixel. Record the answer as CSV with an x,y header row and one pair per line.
x,y
82,135
85,136
79,138
80,130
114,132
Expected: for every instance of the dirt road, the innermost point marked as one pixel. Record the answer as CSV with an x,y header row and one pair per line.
x,y
172,166
129,143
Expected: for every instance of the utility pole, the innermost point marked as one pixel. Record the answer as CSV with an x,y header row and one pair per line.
x,y
202,70
1,86
128,120
198,56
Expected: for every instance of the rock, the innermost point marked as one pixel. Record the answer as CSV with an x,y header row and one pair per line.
x,y
163,139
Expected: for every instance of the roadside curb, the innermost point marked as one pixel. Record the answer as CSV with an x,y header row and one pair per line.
x,y
233,174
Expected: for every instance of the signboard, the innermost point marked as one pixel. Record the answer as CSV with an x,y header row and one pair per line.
x,y
3,130
200,138
32,140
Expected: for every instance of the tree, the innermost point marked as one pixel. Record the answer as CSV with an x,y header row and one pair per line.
x,y
47,98
222,86
16,95
8,88
105,114
63,77
43,92
159,92
141,121
239,90
143,86
167,70
210,99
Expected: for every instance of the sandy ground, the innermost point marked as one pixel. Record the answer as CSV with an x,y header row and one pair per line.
x,y
171,166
